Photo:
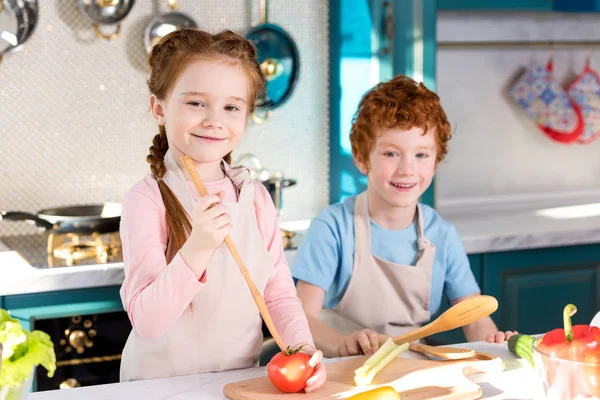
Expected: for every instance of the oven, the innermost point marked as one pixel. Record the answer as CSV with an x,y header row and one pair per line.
x,y
88,349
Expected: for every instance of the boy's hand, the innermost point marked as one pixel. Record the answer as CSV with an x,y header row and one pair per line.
x,y
361,342
499,337
318,377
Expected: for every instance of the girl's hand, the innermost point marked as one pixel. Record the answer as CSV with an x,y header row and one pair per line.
x,y
499,337
361,342
210,223
318,377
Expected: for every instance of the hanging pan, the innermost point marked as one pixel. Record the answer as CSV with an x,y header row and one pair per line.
x,y
165,23
105,12
279,63
18,19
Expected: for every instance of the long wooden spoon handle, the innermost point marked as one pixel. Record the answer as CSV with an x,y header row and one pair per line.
x,y
258,299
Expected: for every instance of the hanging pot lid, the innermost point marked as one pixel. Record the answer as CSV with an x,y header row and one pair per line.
x,y
165,23
12,26
279,60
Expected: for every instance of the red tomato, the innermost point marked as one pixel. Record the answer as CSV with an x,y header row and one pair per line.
x,y
289,370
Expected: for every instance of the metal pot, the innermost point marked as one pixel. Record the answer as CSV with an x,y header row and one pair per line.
x,y
279,62
165,23
105,12
83,219
273,181
18,20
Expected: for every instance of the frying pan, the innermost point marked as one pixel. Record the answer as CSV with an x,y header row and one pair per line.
x,y
82,219
279,62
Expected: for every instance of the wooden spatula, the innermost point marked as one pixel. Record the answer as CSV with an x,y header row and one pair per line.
x,y
461,314
258,299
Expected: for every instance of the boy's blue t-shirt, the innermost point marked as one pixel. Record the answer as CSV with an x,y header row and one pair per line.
x,y
325,257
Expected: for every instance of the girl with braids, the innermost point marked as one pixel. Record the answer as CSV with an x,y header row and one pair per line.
x,y
188,303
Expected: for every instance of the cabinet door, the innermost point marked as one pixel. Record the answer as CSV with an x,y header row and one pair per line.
x,y
482,5
577,5
457,335
533,286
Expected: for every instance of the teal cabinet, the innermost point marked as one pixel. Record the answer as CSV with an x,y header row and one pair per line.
x,y
533,286
481,5
30,307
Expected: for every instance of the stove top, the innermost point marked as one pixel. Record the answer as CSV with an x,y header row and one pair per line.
x,y
44,250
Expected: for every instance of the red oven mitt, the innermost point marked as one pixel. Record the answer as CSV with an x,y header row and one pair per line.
x,y
548,104
585,93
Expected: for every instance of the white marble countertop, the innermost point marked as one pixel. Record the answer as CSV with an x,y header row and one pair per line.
x,y
517,382
482,229
491,229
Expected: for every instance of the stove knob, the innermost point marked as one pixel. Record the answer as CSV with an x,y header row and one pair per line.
x,y
79,340
70,384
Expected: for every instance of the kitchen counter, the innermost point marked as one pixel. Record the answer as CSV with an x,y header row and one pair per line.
x,y
517,381
482,230
519,227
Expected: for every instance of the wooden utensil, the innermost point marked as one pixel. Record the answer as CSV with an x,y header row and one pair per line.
x,y
413,379
446,353
461,314
258,299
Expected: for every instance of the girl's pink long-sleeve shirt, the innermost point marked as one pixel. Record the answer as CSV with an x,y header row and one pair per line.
x,y
155,294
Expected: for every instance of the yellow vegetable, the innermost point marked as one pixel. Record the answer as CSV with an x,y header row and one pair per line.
x,y
383,356
381,393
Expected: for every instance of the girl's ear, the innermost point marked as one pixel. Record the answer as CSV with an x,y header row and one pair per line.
x,y
158,110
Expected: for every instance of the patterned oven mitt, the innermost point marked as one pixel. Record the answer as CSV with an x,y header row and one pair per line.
x,y
585,93
548,104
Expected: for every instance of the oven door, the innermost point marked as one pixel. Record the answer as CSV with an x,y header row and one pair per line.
x,y
88,349
88,328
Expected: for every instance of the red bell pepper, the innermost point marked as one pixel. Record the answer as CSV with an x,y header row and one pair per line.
x,y
571,342
575,343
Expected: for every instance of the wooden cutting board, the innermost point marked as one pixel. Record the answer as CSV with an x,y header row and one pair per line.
x,y
413,379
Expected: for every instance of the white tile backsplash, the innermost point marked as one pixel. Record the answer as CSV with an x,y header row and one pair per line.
x,y
74,113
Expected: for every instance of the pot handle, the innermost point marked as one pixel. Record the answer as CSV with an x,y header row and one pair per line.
x,y
388,27
288,182
258,119
264,12
23,216
109,36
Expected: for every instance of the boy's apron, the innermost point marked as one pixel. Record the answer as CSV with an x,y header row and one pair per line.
x,y
382,296
223,328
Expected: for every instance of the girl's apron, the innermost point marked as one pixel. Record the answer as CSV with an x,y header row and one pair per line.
x,y
223,328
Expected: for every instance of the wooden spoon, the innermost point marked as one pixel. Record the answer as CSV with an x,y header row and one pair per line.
x,y
446,353
461,314
258,299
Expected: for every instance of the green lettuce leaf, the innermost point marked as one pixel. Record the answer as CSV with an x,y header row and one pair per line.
x,y
22,351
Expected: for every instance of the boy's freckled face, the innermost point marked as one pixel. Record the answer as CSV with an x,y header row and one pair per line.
x,y
401,165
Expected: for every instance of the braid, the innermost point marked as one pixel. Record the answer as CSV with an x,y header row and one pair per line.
x,y
156,158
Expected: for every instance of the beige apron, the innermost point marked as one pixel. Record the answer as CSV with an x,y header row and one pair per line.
x,y
223,329
388,298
